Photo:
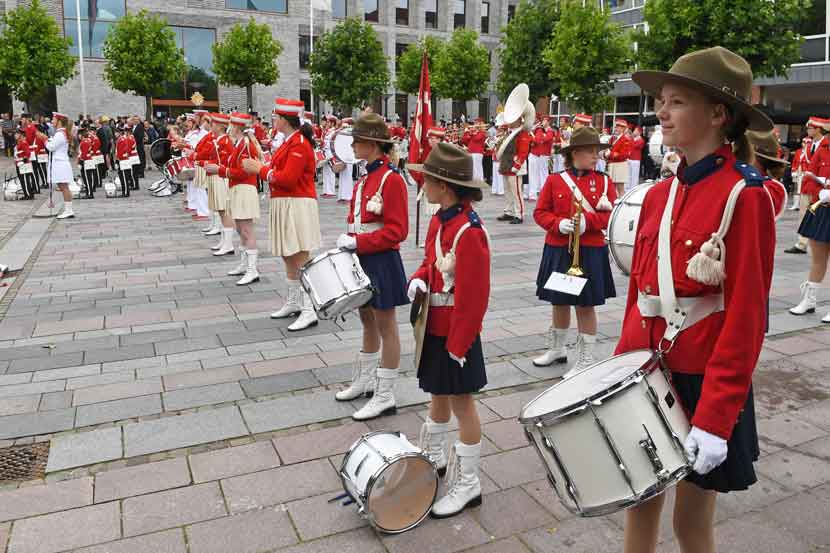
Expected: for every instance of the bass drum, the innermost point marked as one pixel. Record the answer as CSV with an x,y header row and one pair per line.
x,y
341,147
161,151
622,227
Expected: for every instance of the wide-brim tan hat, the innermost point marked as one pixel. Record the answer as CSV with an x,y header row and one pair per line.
x,y
370,127
449,163
717,72
766,146
582,137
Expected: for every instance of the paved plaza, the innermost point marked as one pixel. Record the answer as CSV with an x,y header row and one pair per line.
x,y
182,419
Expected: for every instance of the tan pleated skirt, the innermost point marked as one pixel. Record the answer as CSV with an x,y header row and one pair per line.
x,y
618,171
218,195
244,202
200,178
294,226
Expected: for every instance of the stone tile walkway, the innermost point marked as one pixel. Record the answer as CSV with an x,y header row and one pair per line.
x,y
183,419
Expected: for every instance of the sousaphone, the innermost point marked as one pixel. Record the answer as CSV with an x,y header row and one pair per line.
x,y
519,114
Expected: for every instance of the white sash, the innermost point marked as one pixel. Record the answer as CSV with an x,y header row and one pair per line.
x,y
578,193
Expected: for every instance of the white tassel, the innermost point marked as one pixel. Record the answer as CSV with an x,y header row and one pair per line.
x,y
706,266
603,204
447,264
375,204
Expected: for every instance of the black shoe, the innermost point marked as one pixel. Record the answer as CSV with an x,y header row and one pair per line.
x,y
795,249
517,221
505,217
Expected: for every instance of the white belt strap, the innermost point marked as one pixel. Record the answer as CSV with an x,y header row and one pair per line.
x,y
363,227
577,192
692,309
441,299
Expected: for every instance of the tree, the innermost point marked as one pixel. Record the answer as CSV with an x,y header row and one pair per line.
x,y
247,56
462,68
408,73
764,32
586,50
348,67
33,54
522,42
142,56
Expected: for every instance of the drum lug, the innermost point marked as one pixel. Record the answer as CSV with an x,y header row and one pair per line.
x,y
651,452
614,451
529,435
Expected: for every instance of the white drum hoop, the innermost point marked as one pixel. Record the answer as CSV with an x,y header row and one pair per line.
x,y
341,147
614,243
349,300
12,190
364,495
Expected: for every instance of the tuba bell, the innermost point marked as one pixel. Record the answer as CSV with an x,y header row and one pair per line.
x,y
519,114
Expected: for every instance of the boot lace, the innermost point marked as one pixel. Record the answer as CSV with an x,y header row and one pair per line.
x,y
453,470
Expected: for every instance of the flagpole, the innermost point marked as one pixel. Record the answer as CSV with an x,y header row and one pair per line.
x,y
311,51
81,54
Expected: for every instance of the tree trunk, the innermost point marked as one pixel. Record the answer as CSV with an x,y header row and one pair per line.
x,y
249,91
148,108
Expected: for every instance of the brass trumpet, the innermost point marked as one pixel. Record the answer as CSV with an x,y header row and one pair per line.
x,y
573,243
815,205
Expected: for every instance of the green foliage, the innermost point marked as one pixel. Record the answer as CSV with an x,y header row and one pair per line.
x,y
462,68
764,32
142,55
246,56
33,54
527,34
348,67
408,74
586,50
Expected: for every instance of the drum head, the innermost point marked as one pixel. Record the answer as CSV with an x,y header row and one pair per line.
x,y
161,151
588,384
403,494
341,145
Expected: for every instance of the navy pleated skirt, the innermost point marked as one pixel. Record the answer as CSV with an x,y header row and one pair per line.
x,y
385,270
737,472
595,263
439,374
816,227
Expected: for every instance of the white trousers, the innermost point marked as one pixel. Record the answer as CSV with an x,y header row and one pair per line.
x,y
200,201
478,166
498,182
558,163
191,197
329,180
634,174
346,183
601,165
538,176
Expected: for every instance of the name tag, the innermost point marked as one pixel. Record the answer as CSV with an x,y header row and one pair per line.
x,y
571,285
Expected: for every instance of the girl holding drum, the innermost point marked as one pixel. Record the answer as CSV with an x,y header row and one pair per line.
x,y
294,220
714,227
378,222
456,273
578,183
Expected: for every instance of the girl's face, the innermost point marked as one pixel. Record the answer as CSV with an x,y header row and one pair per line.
x,y
586,157
363,149
687,116
434,189
433,140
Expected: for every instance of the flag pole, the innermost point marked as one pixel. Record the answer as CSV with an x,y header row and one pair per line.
x,y
311,51
81,54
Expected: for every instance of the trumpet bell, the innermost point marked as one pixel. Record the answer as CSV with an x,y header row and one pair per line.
x,y
516,104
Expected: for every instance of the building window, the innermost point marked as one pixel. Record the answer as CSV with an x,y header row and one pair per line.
x,y
370,11
402,108
485,18
813,50
305,50
402,13
277,6
94,26
459,108
431,19
198,57
399,50
338,9
484,108
459,14
815,22
511,11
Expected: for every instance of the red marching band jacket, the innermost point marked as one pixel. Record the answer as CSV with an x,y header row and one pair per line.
x,y
86,149
801,161
292,169
205,151
474,141
22,151
224,149
724,346
392,225
125,147
621,149
461,322
637,145
542,142
556,202
40,145
523,141
96,144
820,167
232,170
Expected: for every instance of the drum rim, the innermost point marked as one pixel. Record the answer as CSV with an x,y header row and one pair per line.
x,y
545,419
334,151
610,238
322,311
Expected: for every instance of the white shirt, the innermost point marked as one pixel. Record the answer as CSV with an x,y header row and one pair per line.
x,y
278,141
59,146
194,137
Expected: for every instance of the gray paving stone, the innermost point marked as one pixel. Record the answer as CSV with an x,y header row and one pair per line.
x,y
239,359
66,530
120,390
25,352
99,380
34,424
84,448
246,533
137,351
141,479
315,517
55,400
194,379
47,498
233,461
169,541
9,379
18,405
205,395
118,410
152,337
45,363
447,535
168,509
69,372
187,344
183,431
278,383
363,540
287,412
134,364
321,443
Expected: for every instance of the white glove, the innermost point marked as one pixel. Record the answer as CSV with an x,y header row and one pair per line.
x,y
824,195
705,450
566,226
460,361
414,286
346,242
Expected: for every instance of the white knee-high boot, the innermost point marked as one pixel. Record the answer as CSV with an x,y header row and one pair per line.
x,y
433,441
363,377
383,401
465,486
809,292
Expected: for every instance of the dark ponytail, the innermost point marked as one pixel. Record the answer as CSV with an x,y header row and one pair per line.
x,y
735,131
305,129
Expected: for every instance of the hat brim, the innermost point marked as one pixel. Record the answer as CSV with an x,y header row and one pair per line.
x,y
473,183
772,158
350,132
571,147
652,82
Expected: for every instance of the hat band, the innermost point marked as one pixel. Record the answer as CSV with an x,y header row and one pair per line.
x,y
447,173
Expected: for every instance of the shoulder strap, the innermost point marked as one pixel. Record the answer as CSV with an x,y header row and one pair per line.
x,y
383,181
576,192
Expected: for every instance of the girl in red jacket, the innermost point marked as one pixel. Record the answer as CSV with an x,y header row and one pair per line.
x,y
715,227
580,184
456,274
23,165
124,147
89,170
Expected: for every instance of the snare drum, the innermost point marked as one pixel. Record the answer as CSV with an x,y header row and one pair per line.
x,y
612,436
336,283
186,168
393,483
622,226
12,190
109,189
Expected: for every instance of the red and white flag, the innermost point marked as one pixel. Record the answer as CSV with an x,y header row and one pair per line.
x,y
418,142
